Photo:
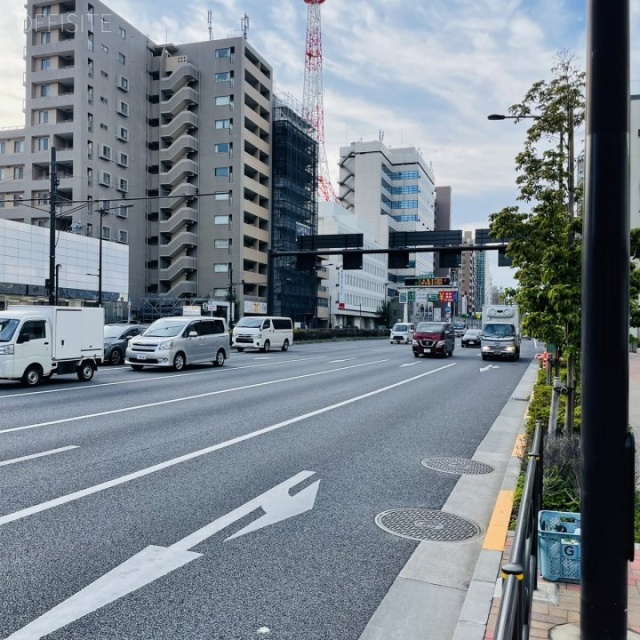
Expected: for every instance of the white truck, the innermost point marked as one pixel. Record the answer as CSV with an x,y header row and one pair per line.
x,y
500,336
39,341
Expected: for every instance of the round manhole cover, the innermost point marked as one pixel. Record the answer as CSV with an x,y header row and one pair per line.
x,y
457,465
427,524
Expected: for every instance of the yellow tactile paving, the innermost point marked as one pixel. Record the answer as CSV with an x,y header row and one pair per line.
x,y
499,524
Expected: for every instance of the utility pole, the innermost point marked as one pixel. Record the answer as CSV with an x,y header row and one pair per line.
x,y
607,508
103,210
53,200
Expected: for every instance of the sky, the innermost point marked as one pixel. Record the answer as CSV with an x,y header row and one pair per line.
x,y
421,74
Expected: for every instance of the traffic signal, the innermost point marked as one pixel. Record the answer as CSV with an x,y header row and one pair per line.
x,y
398,260
503,260
306,263
449,258
352,260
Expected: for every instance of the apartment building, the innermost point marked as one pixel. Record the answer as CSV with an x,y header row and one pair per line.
x,y
165,148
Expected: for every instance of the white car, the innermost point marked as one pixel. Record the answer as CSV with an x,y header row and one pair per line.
x,y
402,333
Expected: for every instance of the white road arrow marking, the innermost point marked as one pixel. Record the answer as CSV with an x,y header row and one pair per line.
x,y
409,364
154,562
490,366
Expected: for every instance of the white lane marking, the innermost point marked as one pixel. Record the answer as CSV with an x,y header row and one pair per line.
x,y
76,495
409,364
166,376
184,399
154,562
343,360
490,366
32,456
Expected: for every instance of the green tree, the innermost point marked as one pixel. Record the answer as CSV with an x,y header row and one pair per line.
x,y
385,314
545,245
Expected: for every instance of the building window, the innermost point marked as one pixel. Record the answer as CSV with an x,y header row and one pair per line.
x,y
220,293
89,94
222,171
43,117
18,173
105,178
104,127
4,173
123,236
223,100
104,74
224,53
17,199
123,83
221,219
222,196
224,76
90,149
223,124
105,48
45,64
123,159
123,33
90,67
105,151
42,144
106,233
122,211
89,177
18,146
104,100
123,185
221,244
123,108
45,90
123,134
221,267
90,122
3,147
90,47
222,147
45,37
45,11
122,59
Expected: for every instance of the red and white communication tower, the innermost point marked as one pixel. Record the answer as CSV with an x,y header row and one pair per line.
x,y
312,96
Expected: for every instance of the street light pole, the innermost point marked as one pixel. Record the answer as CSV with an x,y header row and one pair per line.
x,y
53,199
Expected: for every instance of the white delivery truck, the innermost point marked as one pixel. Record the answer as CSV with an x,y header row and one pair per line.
x,y
500,336
37,342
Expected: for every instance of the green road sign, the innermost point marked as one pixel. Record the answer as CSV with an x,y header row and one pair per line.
x,y
411,296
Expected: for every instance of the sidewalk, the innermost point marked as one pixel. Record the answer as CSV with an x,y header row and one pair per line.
x,y
555,613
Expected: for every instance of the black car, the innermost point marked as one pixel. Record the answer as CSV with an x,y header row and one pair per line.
x,y
471,338
116,337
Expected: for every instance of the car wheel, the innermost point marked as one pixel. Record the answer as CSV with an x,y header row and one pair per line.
x,y
416,355
239,349
116,357
32,376
220,358
285,345
85,371
136,367
267,346
179,361
484,357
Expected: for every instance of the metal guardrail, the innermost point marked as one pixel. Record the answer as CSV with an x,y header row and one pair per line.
x,y
520,575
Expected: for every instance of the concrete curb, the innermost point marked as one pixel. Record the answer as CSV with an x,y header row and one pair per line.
x,y
446,589
474,615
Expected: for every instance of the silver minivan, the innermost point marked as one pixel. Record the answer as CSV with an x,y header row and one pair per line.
x,y
178,341
402,332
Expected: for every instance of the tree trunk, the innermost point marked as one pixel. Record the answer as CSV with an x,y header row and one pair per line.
x,y
571,396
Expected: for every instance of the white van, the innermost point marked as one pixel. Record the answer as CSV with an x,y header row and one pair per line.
x,y
262,332
402,332
178,341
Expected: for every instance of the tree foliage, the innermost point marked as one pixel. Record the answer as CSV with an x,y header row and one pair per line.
x,y
545,245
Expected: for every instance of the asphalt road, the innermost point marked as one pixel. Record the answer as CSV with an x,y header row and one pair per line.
x,y
145,477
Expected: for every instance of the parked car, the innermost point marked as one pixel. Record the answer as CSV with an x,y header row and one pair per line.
x,y
116,338
402,332
459,328
434,339
179,341
471,338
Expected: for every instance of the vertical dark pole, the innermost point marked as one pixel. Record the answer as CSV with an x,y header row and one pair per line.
x,y
57,283
605,546
230,296
270,282
53,175
100,264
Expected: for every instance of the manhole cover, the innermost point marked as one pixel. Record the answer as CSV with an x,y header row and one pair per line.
x,y
457,465
427,524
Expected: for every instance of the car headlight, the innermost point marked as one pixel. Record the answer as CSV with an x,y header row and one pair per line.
x,y
7,350
167,344
441,343
414,342
510,349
